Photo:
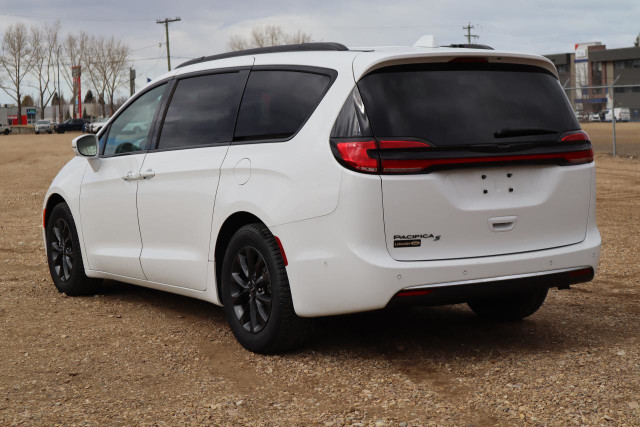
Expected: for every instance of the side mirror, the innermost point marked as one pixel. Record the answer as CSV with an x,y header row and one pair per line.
x,y
86,146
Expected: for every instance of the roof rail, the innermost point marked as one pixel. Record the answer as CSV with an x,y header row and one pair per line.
x,y
302,47
470,46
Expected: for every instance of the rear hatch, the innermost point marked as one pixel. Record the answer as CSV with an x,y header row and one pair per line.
x,y
475,158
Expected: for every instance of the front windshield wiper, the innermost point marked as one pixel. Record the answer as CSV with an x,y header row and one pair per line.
x,y
509,132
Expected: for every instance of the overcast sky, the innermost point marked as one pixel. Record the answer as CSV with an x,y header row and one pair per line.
x,y
543,26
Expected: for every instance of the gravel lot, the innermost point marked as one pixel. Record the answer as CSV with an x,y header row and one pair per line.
x,y
136,356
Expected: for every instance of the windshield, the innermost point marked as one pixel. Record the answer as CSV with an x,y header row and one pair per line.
x,y
466,103
42,122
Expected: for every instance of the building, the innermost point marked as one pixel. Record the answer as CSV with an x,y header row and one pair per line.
x,y
592,64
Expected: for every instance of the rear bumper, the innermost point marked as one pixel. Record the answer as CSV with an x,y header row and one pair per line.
x,y
460,292
339,263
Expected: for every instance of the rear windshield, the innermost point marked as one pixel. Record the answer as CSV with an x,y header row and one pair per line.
x,y
466,103
42,122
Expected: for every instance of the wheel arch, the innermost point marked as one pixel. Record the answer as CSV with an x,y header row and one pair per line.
x,y
230,225
53,200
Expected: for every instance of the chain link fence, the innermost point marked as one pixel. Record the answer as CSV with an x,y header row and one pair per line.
x,y
617,132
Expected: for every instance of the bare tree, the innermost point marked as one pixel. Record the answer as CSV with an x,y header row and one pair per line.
x,y
267,35
44,44
117,60
95,60
16,61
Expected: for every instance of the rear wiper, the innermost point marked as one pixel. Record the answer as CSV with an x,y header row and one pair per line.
x,y
507,132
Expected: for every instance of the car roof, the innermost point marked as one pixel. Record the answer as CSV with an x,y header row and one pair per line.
x,y
360,60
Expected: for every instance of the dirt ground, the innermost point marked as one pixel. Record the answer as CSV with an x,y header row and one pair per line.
x,y
627,137
136,356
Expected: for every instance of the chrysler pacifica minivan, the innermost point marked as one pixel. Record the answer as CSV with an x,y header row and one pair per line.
x,y
310,180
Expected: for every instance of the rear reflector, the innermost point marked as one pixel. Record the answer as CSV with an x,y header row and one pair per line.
x,y
414,293
44,216
284,255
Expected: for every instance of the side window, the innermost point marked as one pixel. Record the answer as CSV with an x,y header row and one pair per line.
x,y
277,103
202,111
130,130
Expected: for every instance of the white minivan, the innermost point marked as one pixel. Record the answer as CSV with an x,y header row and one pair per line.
x,y
309,180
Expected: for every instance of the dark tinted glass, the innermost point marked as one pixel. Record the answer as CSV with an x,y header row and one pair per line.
x,y
202,111
277,103
129,132
463,104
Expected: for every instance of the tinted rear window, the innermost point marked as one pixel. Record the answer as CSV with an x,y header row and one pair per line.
x,y
202,111
277,103
464,103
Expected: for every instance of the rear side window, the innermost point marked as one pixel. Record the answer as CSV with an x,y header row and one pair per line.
x,y
277,103
202,111
452,104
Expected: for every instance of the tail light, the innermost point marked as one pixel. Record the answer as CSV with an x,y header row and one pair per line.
x,y
355,147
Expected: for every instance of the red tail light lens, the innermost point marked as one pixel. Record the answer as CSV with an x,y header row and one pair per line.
x,y
355,155
396,156
575,136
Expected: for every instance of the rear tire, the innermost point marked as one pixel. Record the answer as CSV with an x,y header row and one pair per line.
x,y
509,307
64,256
256,295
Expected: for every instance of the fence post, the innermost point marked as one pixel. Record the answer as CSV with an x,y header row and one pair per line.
x,y
613,113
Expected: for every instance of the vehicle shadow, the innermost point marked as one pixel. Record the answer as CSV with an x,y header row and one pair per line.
x,y
447,331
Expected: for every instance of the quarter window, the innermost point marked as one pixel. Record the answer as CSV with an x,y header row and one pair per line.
x,y
130,130
202,111
277,103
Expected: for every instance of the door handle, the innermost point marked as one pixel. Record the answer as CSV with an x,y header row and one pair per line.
x,y
146,175
130,176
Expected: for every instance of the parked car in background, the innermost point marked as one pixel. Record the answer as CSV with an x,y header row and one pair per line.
x,y
623,114
595,117
71,124
5,129
42,126
86,126
97,125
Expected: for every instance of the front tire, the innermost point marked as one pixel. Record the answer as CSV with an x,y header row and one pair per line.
x,y
64,256
256,295
511,307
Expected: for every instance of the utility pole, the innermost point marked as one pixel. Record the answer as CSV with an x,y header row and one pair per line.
x,y
60,118
166,21
470,36
132,81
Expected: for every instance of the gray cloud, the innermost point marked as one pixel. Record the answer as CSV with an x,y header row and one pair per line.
x,y
542,26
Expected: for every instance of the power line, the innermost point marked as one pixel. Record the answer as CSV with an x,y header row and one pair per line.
x,y
166,21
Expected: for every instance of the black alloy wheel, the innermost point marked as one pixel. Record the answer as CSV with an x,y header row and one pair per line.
x,y
251,289
255,293
64,255
62,250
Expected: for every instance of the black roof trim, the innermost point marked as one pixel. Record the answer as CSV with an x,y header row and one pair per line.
x,y
302,47
470,46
